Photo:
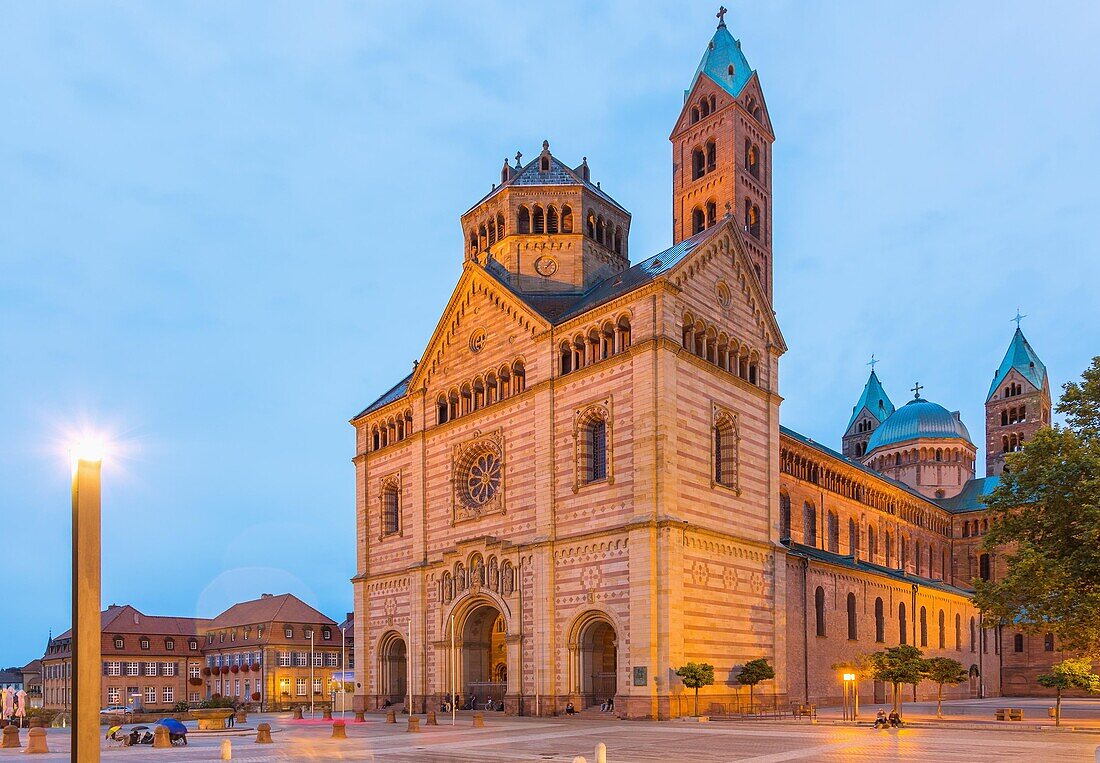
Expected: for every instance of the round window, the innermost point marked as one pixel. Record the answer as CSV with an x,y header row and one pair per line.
x,y
482,479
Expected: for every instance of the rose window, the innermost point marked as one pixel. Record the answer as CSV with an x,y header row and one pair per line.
x,y
482,478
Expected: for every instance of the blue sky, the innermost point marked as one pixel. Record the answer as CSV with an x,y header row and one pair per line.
x,y
227,227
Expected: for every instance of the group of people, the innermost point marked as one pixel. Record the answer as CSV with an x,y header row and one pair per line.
x,y
607,706
891,721
472,703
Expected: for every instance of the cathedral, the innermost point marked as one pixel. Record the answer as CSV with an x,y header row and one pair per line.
x,y
583,484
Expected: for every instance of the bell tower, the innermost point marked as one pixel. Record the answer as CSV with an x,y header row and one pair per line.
x,y
722,152
1018,403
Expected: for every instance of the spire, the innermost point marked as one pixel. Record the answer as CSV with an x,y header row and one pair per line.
x,y
1021,358
723,61
874,399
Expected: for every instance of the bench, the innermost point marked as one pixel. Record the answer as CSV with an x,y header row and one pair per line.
x,y
1009,714
804,711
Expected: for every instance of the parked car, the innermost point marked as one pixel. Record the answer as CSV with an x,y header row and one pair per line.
x,y
115,710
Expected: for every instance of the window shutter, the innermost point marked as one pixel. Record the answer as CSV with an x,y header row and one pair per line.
x,y
104,668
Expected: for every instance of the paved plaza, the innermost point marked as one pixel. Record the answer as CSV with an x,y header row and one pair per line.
x,y
967,736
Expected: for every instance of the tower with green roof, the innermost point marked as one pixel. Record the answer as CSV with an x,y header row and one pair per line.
x,y
722,152
872,408
1017,404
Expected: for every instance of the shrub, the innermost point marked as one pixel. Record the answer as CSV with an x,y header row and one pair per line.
x,y
255,696
181,707
216,702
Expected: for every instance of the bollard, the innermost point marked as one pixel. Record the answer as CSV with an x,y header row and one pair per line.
x,y
479,721
339,731
11,738
263,733
227,750
359,716
601,753
414,723
579,759
160,736
391,717
36,740
36,722
431,718
241,716
298,713
326,714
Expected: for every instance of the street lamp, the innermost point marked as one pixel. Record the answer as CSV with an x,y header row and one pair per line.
x,y
343,672
849,681
87,462
312,713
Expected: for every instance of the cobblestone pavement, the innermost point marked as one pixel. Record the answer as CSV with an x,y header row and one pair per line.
x,y
525,739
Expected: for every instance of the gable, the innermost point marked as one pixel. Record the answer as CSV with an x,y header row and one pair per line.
x,y
482,324
752,100
723,257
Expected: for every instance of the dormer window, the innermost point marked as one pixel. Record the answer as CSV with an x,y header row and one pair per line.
x,y
119,643
169,644
288,632
193,645
145,643
544,164
730,70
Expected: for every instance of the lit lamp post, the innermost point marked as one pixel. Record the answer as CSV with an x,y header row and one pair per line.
x,y
849,686
312,714
343,671
87,462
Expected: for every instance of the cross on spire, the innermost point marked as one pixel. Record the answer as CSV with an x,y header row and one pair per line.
x,y
872,362
721,15
1018,317
916,390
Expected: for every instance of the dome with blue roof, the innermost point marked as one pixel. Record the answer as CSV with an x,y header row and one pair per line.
x,y
918,419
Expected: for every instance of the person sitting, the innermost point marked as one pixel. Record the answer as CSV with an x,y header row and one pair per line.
x,y
895,719
603,706
610,704
569,709
489,703
881,721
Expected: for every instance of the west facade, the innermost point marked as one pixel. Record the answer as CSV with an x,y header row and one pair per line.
x,y
583,483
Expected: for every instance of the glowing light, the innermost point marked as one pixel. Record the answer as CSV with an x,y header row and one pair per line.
x,y
87,448
849,676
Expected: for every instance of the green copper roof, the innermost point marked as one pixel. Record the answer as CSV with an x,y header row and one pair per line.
x,y
970,497
722,52
918,420
874,399
1021,357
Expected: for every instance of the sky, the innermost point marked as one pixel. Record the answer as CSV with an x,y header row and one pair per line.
x,y
225,228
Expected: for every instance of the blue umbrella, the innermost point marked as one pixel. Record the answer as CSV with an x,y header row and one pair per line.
x,y
173,726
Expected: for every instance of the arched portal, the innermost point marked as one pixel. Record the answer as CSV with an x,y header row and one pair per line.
x,y
393,668
597,660
483,660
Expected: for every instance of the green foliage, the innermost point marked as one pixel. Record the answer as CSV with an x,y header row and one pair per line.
x,y
755,671
216,702
1072,673
696,675
944,670
1046,511
898,666
181,707
862,665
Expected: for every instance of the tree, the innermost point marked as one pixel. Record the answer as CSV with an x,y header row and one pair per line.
x,y
1072,673
695,675
944,670
898,666
753,672
1046,513
862,666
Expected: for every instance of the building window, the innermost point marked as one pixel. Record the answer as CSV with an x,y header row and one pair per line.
x,y
284,659
523,220
317,684
725,449
871,549
942,631
300,687
150,695
852,631
819,610
114,669
1018,642
833,527
698,220
784,516
119,643
145,643
331,660
853,537
958,633
194,671
983,566
133,669
150,668
1048,642
809,524
169,695
168,668
112,695
326,633
698,164
318,659
712,156
880,622
902,626
591,438
169,645
923,627
391,508
288,632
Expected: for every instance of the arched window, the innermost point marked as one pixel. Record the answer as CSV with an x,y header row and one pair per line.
x,y
819,610
880,622
784,516
601,229
725,451
441,409
594,455
566,219
519,378
852,633
590,225
902,625
698,220
958,632
712,213
566,358
853,537
1018,642
1048,642
872,551
889,550
983,566
752,219
916,557
942,631
624,333
523,220
704,107
809,524
712,155
500,225
694,114
973,641
833,527
551,220
752,159
391,510
539,219
923,627
618,240
698,164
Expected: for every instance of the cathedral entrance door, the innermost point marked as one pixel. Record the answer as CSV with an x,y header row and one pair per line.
x,y
483,660
598,669
393,668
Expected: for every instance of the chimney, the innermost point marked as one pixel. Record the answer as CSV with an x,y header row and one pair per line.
x,y
266,595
